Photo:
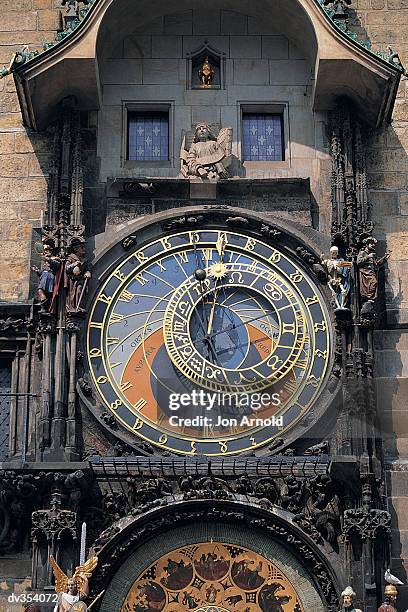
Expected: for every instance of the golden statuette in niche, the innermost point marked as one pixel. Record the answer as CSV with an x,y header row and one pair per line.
x,y
206,74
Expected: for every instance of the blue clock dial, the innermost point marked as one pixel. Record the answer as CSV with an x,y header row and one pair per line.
x,y
208,314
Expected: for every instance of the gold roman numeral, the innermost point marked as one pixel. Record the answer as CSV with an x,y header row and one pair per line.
x,y
141,279
126,296
182,257
208,254
118,274
106,299
140,404
124,386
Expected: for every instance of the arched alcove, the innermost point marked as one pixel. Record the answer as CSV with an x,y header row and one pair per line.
x,y
341,66
180,537
288,18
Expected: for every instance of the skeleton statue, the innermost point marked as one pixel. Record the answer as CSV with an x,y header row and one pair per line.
x,y
206,74
348,596
209,156
338,272
71,591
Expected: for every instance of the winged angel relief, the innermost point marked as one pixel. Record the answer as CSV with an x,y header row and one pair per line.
x,y
207,156
72,590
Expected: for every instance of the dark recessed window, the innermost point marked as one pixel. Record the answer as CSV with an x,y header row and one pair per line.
x,y
262,135
148,136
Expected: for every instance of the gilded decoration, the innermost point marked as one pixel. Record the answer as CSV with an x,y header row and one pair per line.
x,y
212,577
206,73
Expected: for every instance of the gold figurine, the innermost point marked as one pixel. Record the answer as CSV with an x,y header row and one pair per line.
x,y
206,74
72,590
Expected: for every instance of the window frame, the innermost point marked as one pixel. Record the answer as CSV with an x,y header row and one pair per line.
x,y
147,107
267,108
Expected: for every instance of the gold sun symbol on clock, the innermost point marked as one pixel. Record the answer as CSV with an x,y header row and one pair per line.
x,y
218,270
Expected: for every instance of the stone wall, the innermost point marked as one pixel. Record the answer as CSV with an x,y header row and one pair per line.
x,y
392,397
385,22
23,168
23,156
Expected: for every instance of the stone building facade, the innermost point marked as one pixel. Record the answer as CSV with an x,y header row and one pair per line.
x,y
67,174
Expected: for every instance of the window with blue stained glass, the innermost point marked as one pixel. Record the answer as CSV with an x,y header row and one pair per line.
x,y
148,136
262,135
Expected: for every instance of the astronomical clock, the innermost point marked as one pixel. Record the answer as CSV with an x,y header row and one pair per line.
x,y
208,340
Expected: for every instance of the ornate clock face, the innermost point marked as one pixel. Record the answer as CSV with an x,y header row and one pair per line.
x,y
208,342
212,577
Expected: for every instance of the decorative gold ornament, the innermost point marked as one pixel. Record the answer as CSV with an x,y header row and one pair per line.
x,y
218,270
79,606
221,244
81,573
206,74
229,579
390,589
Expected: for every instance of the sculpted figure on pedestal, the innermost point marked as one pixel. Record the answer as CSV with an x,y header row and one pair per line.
x,y
390,600
77,276
338,272
206,73
368,266
72,590
347,597
209,156
47,272
390,593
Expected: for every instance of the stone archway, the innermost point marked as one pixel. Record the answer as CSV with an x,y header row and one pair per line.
x,y
212,567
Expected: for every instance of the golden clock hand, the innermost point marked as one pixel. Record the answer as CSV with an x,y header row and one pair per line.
x,y
221,244
200,275
207,339
211,318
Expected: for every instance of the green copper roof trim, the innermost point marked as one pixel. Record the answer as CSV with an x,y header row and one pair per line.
x,y
341,26
25,56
